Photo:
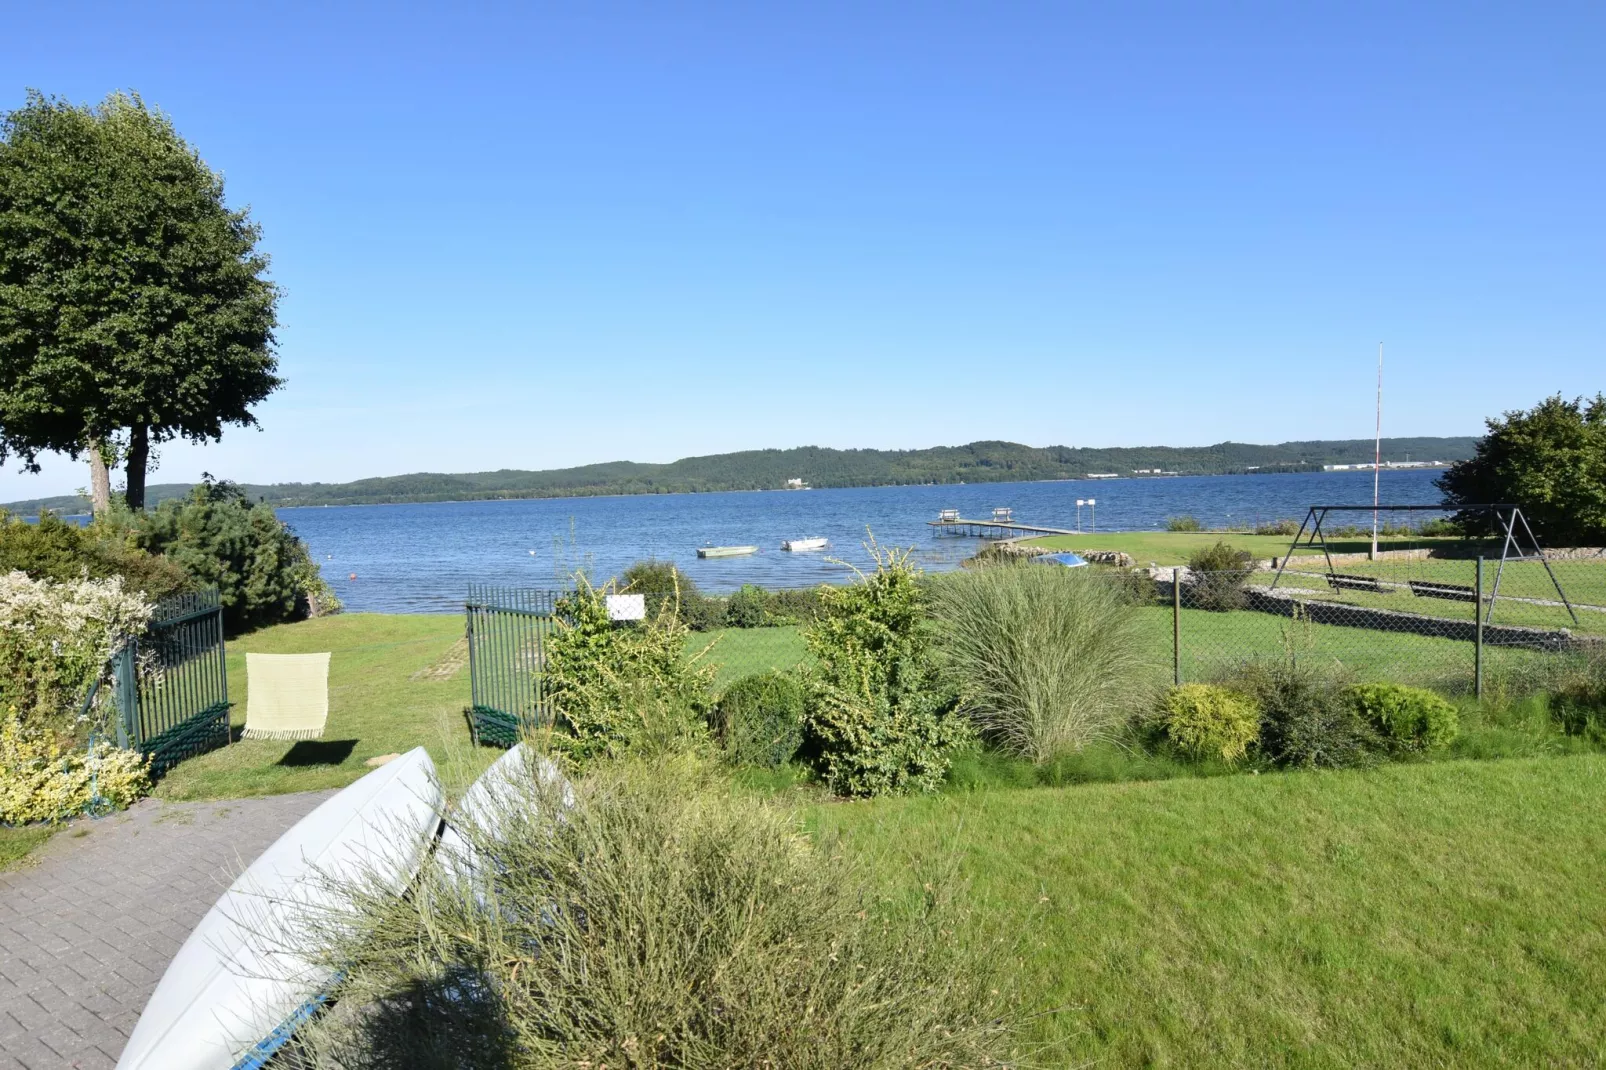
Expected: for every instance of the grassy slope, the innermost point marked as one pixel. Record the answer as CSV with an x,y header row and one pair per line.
x,y
374,708
1445,914
1175,547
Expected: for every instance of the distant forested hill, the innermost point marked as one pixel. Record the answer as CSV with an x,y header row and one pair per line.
x,y
979,462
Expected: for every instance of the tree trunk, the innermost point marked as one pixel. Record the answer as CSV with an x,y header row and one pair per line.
x,y
100,480
139,451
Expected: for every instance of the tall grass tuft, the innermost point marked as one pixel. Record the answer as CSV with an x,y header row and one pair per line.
x,y
662,921
1046,659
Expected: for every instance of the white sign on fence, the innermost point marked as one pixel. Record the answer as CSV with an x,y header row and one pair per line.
x,y
627,607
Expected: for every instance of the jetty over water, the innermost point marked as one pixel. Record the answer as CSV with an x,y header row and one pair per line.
x,y
951,523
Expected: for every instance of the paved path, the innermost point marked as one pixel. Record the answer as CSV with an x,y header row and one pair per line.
x,y
92,919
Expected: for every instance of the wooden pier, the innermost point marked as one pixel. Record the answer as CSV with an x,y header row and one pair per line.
x,y
992,529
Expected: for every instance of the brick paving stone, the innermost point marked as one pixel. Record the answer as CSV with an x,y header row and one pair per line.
x,y
90,921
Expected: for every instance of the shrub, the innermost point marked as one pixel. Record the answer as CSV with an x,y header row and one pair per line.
x,y
53,549
263,573
621,688
1405,718
1578,700
1305,721
665,584
747,608
1045,660
1210,721
1282,526
1218,573
659,921
40,780
55,639
877,719
1185,522
795,606
759,719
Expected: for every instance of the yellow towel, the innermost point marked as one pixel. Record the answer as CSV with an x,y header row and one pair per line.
x,y
287,696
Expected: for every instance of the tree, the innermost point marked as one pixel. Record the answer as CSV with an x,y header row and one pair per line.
x,y
134,307
1550,460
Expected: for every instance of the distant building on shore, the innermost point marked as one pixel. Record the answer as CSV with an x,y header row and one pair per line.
x,y
796,484
1386,464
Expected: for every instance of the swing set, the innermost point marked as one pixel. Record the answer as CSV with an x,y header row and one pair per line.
x,y
1505,520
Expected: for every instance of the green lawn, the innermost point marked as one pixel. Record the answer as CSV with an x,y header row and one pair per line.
x,y
376,706
1175,547
1447,914
741,651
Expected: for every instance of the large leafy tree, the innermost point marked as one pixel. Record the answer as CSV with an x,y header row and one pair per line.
x,y
1550,460
134,307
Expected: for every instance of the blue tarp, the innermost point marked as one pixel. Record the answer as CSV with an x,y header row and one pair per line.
x,y
1069,560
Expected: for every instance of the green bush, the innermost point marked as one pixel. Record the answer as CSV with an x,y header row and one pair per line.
x,y
1405,718
1578,700
1045,660
53,549
759,719
747,608
1185,522
1218,574
878,720
263,573
659,921
1305,721
795,606
665,584
1210,721
620,688
1284,526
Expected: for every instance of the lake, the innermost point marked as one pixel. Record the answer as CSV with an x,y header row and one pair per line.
x,y
421,558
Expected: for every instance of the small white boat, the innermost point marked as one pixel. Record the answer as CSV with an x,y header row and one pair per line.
x,y
726,551
797,545
235,992
504,786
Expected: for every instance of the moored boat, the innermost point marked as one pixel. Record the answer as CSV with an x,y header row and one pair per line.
x,y
726,551
796,545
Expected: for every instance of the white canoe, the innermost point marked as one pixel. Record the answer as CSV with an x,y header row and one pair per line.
x,y
505,784
726,551
795,545
235,992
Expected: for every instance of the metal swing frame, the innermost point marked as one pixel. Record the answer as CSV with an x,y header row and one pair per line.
x,y
1506,518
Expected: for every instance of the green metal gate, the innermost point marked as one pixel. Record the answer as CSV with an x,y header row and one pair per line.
x,y
505,629
171,683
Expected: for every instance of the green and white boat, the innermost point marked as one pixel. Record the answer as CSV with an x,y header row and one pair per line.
x,y
726,551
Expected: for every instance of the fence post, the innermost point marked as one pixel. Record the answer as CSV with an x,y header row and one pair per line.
x,y
1477,635
1176,625
127,692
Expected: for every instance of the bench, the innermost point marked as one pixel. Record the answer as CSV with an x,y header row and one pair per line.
x,y
1340,582
1456,592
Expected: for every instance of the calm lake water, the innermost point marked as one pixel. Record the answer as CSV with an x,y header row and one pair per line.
x,y
421,558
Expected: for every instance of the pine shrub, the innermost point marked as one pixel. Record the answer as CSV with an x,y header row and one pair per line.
x,y
1405,718
1211,721
1218,574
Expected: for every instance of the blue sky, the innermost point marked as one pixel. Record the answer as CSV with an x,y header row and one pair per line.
x,y
530,236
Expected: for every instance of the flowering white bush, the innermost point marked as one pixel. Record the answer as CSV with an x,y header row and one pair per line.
x,y
55,639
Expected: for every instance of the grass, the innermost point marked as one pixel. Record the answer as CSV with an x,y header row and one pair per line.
x,y
376,707
1427,915
1175,547
740,652
16,843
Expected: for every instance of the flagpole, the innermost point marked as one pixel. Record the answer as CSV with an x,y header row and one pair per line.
x,y
1377,457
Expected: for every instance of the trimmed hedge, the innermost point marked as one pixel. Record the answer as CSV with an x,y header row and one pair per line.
x,y
759,719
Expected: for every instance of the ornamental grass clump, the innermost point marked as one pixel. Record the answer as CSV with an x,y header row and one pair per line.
x,y
661,920
1046,660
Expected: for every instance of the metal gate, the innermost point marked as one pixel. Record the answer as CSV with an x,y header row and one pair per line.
x,y
171,683
505,628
